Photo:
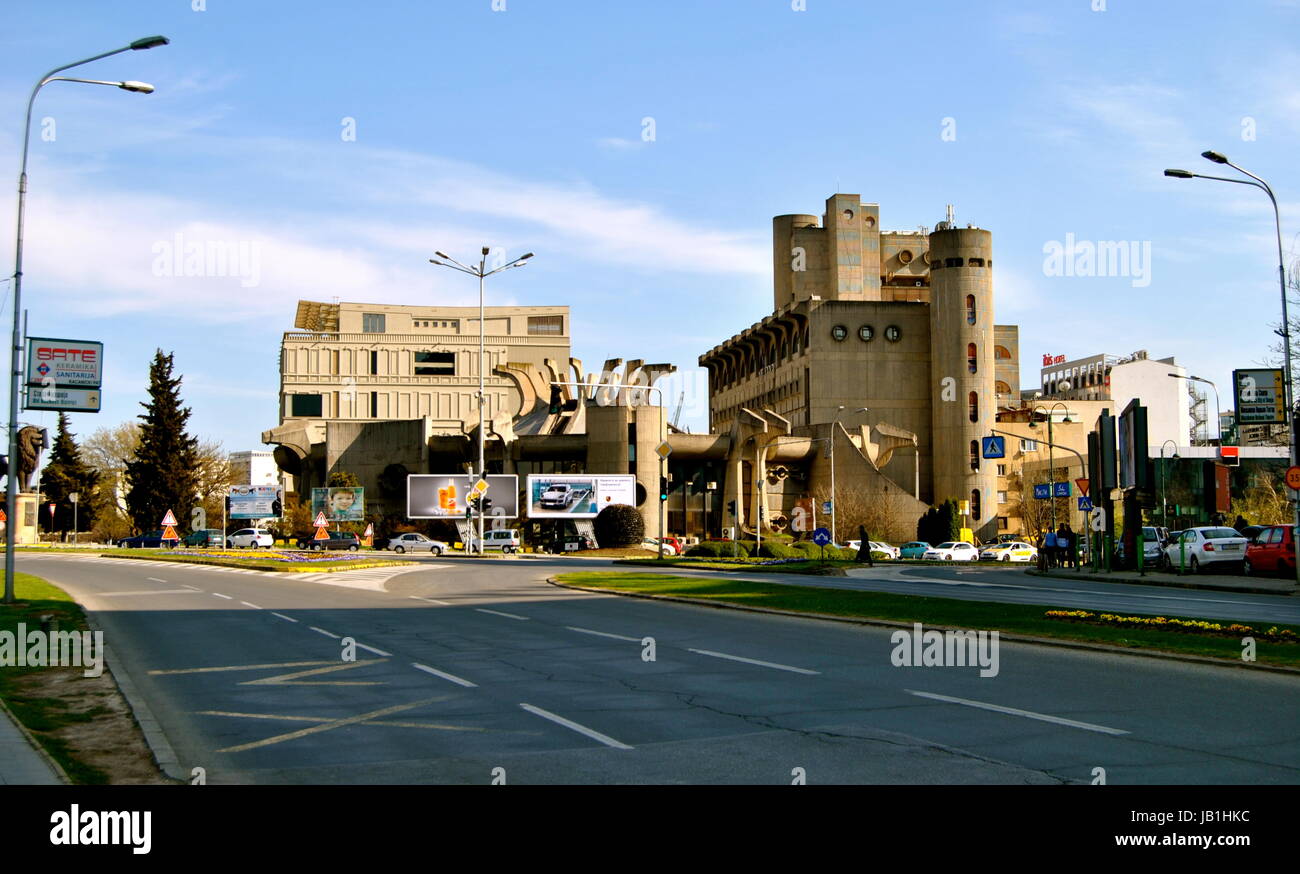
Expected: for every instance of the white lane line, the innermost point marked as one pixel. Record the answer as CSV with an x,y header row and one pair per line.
x,y
254,606
146,592
372,649
602,633
446,676
282,616
723,655
499,613
194,588
580,729
1012,711
323,631
430,600
155,580
219,595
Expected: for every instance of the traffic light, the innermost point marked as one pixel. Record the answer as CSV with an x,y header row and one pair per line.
x,y
4,465
227,503
663,488
485,504
731,507
557,402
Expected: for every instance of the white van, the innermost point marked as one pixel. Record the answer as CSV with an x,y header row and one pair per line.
x,y
505,539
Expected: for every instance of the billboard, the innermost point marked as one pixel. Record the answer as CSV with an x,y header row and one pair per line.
x,y
445,496
256,502
1260,397
577,496
67,400
339,503
64,363
1132,445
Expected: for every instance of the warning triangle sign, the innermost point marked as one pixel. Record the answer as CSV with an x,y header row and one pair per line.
x,y
169,519
3,517
169,533
321,533
320,520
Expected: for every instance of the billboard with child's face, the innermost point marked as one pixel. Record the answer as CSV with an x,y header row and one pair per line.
x,y
339,504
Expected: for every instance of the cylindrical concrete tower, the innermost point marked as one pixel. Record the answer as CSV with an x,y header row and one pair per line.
x,y
961,372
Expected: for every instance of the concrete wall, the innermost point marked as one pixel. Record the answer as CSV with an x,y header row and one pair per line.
x,y
1168,416
611,450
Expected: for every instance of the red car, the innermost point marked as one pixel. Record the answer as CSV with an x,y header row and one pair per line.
x,y
1272,551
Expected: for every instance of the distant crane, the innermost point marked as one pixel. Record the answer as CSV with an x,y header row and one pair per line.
x,y
677,414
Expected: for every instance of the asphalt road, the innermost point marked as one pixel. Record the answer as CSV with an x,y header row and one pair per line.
x,y
468,672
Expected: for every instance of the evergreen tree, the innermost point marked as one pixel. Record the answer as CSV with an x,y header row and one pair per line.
x,y
164,473
66,472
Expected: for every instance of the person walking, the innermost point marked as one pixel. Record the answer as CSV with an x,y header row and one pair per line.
x,y
1063,542
1049,547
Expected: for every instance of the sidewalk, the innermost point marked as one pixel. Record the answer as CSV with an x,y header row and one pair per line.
x,y
22,763
1153,577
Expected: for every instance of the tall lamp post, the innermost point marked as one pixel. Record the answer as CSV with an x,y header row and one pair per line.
x,y
15,353
1218,410
1164,482
1051,455
1285,332
482,273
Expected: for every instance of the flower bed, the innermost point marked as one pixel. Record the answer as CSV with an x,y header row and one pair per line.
x,y
1187,626
267,555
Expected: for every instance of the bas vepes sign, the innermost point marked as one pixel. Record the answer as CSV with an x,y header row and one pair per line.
x,y
64,375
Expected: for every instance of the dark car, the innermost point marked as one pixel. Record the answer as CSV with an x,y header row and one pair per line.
x,y
205,537
151,540
337,540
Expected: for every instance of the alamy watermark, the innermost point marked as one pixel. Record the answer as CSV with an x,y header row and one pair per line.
x,y
945,649
53,649
1101,258
209,258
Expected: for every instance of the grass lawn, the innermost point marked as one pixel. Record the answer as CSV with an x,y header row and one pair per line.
x,y
259,560
814,567
1015,618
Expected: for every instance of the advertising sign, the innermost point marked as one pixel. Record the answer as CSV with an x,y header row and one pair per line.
x,y
1260,397
65,363
339,503
444,496
256,502
68,400
577,496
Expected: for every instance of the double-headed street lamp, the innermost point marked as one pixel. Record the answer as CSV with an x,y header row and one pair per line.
x,y
1218,410
482,273
1051,455
1285,332
15,354
1164,482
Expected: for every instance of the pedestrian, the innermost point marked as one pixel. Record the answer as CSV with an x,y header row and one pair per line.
x,y
1241,524
1063,542
1049,547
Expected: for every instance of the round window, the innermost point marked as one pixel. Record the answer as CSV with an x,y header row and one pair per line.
x,y
866,333
893,334
839,332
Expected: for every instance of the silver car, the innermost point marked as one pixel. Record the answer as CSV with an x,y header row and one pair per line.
x,y
413,542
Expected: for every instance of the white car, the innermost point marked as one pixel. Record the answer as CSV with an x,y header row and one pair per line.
x,y
413,542
1198,547
653,544
250,538
505,539
952,551
1014,550
876,546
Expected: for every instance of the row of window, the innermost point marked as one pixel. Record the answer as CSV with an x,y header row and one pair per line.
x,y
867,333
958,262
376,323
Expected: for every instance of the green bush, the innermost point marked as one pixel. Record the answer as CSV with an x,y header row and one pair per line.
x,y
807,547
710,549
619,525
772,549
746,547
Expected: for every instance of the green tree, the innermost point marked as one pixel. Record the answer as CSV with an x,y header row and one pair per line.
x,y
66,472
342,479
164,474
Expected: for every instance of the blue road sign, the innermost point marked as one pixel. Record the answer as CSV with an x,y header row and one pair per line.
x,y
827,507
995,447
821,537
1042,491
1061,490
1085,503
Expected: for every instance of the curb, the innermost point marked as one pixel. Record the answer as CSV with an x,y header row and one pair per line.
x,y
890,623
305,568
36,745
1153,580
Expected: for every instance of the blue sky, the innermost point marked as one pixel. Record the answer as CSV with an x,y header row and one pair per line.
x,y
522,129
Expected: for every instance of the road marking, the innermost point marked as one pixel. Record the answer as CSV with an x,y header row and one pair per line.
x,y
430,600
195,588
292,679
602,633
219,595
320,719
254,606
499,613
282,616
437,673
146,592
236,668
155,580
1012,711
324,632
332,724
723,655
580,729
372,649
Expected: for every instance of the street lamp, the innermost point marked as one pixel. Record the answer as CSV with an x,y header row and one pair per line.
x,y
1164,482
1051,455
15,353
482,273
1285,332
1218,410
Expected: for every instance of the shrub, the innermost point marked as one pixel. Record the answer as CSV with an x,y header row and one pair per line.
x,y
773,549
710,549
619,525
807,547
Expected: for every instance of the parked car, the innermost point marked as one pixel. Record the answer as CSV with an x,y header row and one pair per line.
x,y
1205,545
652,544
1153,539
952,551
250,538
876,546
337,540
205,537
414,542
914,549
151,540
1012,550
1271,552
505,539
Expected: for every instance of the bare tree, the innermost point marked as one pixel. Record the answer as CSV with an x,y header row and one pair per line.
x,y
883,515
